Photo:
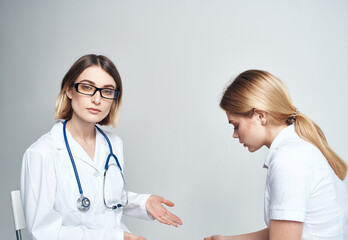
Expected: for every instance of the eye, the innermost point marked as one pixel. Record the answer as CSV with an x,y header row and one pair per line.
x,y
86,87
108,92
236,127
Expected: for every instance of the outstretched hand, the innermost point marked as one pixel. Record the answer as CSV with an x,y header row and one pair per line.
x,y
215,237
129,236
158,211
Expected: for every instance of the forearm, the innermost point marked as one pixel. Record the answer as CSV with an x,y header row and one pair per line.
x,y
136,206
259,235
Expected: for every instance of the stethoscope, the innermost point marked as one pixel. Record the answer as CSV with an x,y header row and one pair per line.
x,y
83,203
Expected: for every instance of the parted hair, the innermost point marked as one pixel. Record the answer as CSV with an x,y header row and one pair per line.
x,y
63,103
257,89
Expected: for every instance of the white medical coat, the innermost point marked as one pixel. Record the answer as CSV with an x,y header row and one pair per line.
x,y
49,190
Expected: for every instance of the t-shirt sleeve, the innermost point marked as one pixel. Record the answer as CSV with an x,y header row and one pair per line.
x,y
289,185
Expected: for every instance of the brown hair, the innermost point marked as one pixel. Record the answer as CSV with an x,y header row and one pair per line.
x,y
63,103
257,89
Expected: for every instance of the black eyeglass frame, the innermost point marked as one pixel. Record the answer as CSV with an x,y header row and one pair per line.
x,y
116,95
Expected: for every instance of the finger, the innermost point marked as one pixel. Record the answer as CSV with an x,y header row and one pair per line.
x,y
164,219
175,218
172,221
168,218
139,238
167,202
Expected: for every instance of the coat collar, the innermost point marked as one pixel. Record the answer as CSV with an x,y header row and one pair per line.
x,y
57,135
77,151
282,137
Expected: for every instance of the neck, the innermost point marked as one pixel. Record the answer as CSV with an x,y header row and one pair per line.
x,y
273,131
81,130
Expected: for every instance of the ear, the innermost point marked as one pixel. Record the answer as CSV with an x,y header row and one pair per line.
x,y
69,92
261,116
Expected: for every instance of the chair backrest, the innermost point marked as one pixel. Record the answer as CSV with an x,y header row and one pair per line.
x,y
17,209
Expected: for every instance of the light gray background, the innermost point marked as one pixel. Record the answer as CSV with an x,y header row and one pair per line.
x,y
175,58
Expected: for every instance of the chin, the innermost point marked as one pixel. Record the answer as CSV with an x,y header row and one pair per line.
x,y
251,149
95,119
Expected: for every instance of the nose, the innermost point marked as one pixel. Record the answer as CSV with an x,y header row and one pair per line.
x,y
235,134
96,98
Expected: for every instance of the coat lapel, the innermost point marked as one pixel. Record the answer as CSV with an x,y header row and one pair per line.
x,y
77,151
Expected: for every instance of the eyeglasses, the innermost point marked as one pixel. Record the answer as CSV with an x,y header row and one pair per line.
x,y
90,90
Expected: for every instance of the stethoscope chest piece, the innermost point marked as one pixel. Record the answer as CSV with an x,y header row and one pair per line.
x,y
83,203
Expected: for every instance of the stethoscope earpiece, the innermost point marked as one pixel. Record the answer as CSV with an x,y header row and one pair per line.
x,y
115,206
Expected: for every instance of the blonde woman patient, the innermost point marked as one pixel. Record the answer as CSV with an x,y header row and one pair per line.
x,y
305,197
72,182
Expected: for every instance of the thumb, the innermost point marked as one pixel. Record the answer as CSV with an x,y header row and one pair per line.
x,y
167,202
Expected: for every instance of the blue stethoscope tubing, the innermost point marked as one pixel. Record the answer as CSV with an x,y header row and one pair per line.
x,y
83,203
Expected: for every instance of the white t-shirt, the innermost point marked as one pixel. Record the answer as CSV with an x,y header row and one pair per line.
x,y
301,186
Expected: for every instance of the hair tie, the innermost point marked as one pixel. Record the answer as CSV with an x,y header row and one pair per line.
x,y
296,113
292,118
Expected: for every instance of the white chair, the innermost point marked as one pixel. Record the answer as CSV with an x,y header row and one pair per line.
x,y
18,215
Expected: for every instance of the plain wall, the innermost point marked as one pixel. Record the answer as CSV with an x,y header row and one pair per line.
x,y
175,58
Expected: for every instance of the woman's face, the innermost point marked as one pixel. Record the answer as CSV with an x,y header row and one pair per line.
x,y
250,131
91,109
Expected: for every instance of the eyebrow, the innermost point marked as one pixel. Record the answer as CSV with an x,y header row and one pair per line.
x,y
93,83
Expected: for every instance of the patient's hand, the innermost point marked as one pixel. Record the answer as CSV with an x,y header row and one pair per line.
x,y
215,237
129,236
158,211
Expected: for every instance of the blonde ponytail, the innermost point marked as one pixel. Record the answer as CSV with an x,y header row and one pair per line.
x,y
312,133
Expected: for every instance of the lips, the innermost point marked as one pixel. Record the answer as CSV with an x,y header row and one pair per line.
x,y
93,110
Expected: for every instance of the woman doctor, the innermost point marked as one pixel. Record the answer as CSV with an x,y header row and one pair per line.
x,y
65,193
305,197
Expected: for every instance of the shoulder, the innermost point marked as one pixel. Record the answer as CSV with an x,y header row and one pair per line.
x,y
116,143
46,144
40,155
295,153
43,144
113,137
